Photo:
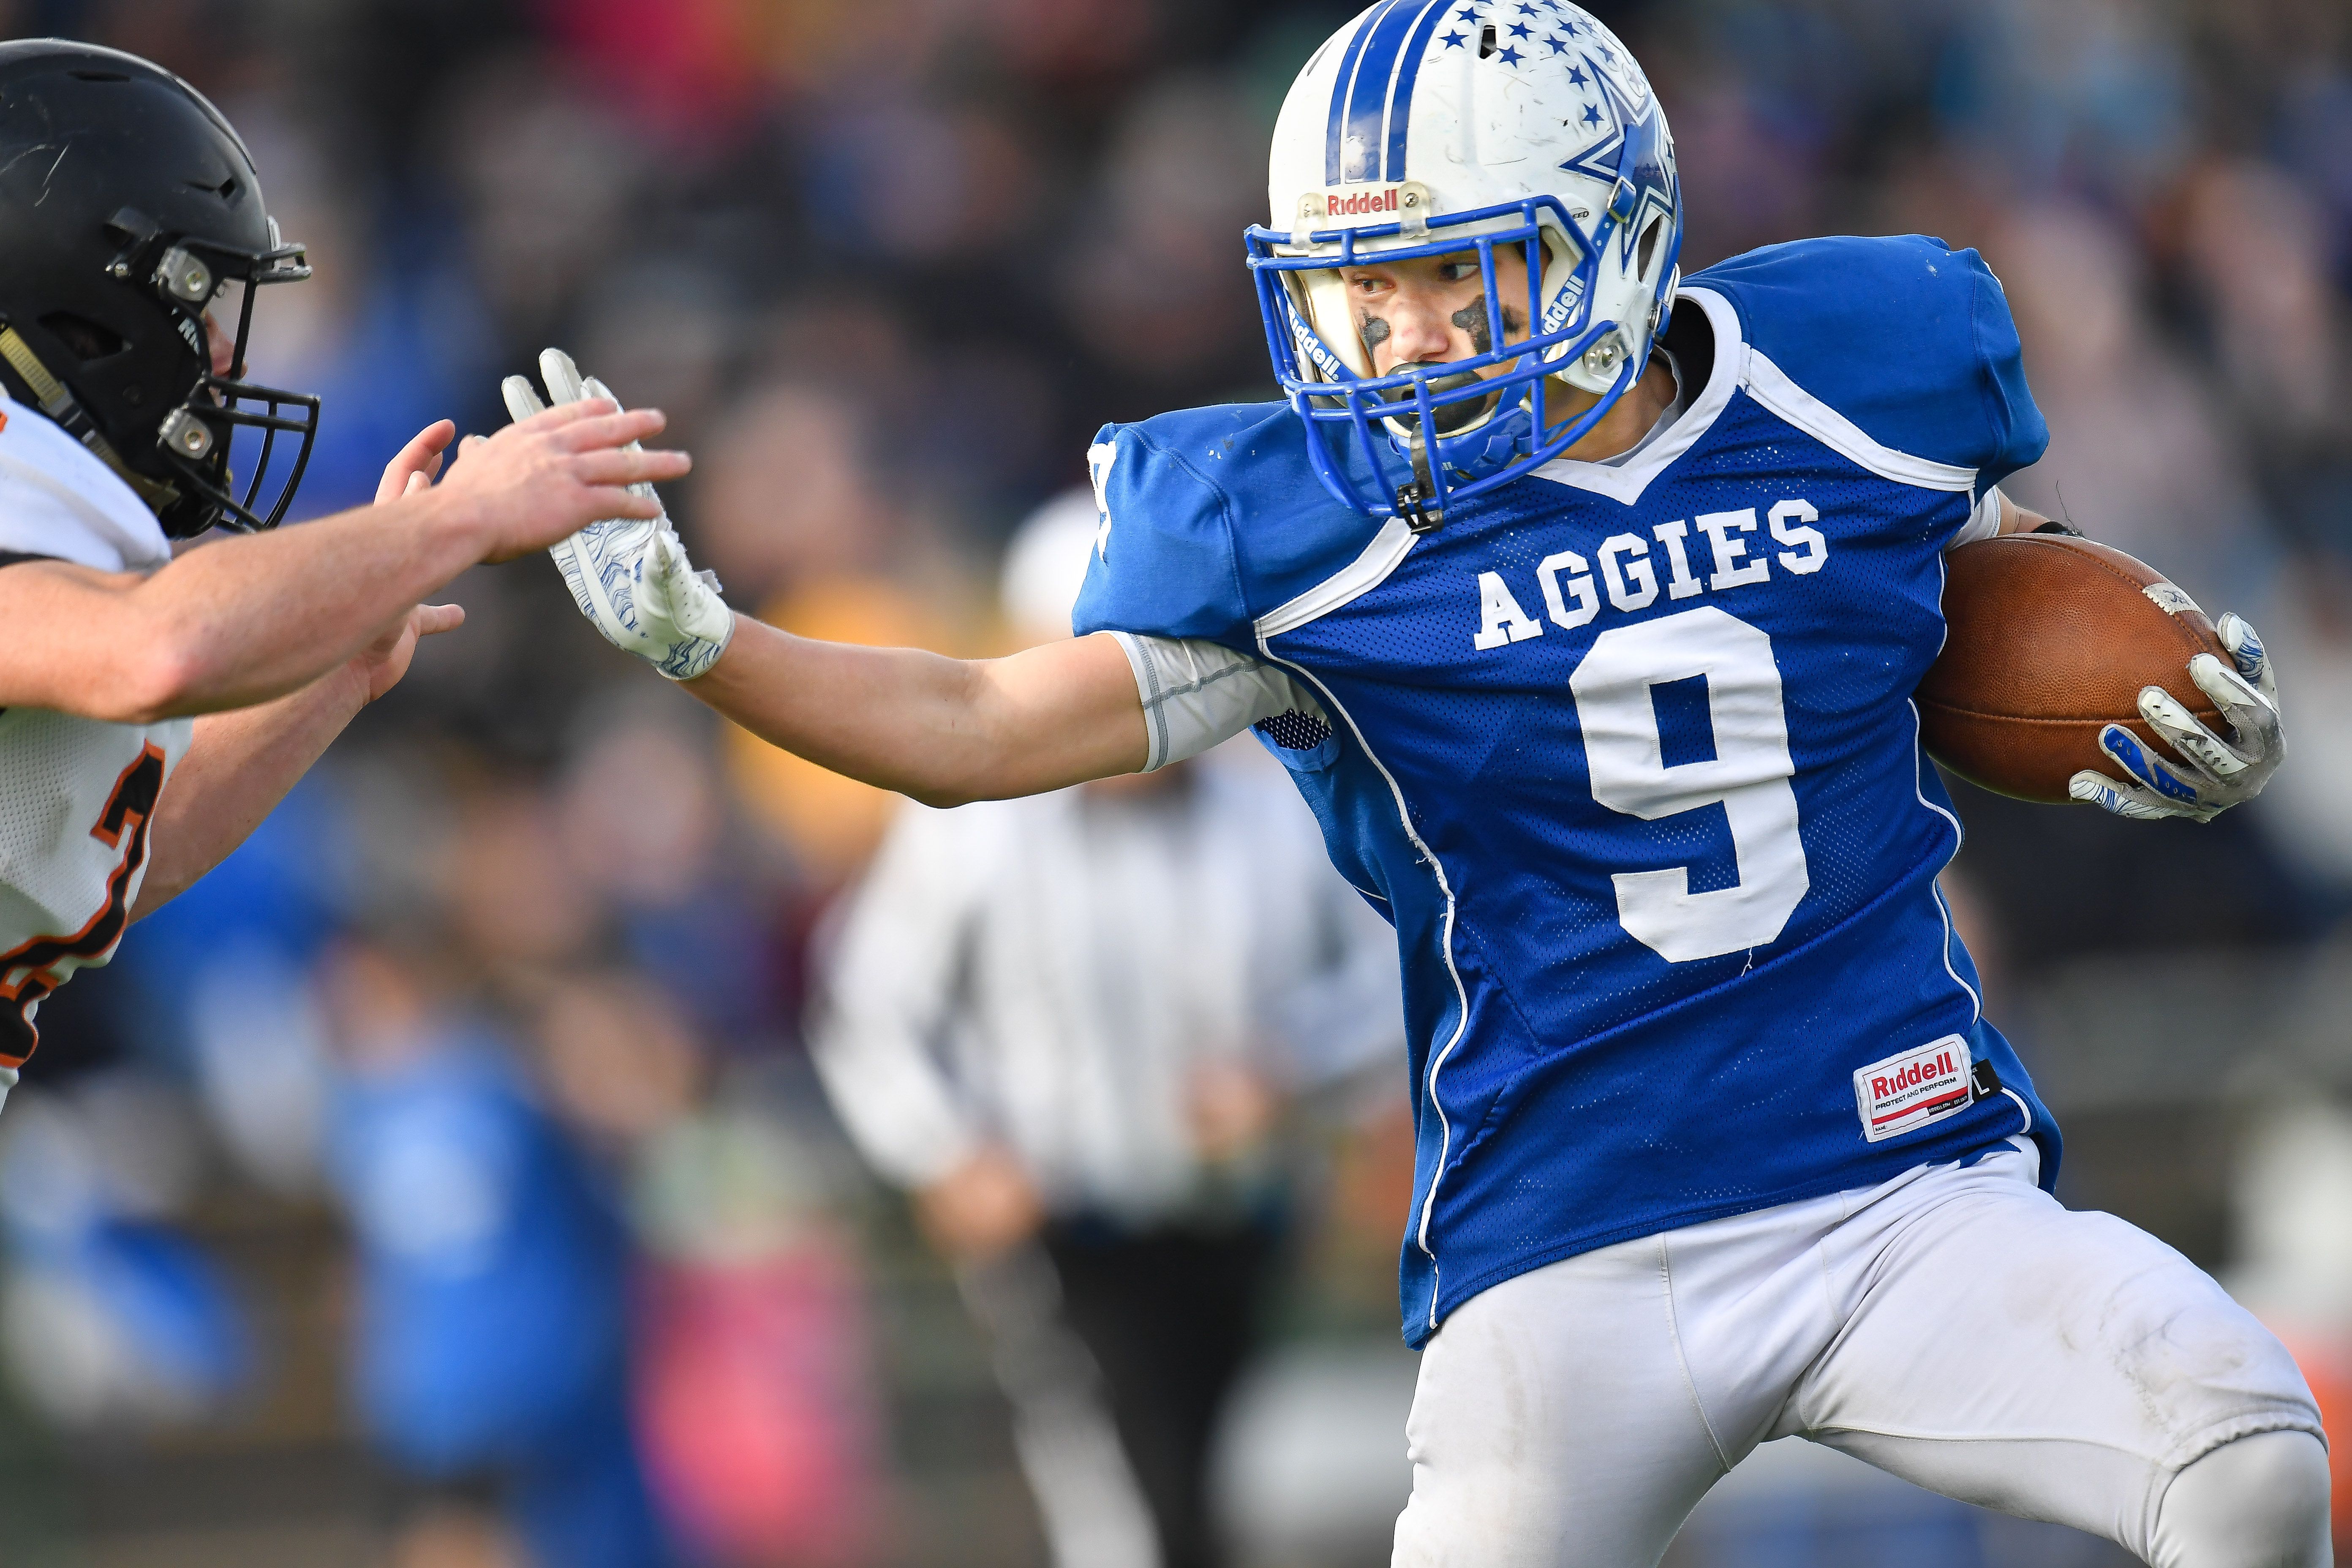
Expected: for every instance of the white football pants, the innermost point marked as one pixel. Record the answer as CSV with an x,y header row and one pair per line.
x,y
1956,1327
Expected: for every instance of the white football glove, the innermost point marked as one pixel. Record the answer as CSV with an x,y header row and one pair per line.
x,y
2212,774
630,576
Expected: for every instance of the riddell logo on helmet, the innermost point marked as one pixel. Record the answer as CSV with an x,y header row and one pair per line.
x,y
1361,204
1407,202
1313,348
1908,1091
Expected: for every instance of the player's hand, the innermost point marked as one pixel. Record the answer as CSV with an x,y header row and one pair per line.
x,y
2209,774
536,481
628,572
382,662
418,464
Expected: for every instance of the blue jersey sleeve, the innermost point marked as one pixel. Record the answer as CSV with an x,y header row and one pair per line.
x,y
1910,340
1164,561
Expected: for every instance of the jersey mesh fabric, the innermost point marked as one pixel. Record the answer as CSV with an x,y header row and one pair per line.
x,y
35,750
1294,732
57,775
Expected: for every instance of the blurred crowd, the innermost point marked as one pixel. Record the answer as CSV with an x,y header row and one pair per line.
x,y
507,1011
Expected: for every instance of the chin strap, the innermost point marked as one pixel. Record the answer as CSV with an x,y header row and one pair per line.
x,y
1414,501
60,406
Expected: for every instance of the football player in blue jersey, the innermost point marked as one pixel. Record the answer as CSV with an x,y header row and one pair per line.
x,y
1584,604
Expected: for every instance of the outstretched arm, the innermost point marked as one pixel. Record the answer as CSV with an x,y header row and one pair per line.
x,y
944,730
253,618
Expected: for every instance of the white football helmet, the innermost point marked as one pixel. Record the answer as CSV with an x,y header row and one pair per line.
x,y
1436,127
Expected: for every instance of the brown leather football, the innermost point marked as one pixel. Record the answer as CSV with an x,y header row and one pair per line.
x,y
2051,638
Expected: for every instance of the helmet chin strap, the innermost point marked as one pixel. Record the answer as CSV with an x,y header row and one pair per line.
x,y
60,406
1414,501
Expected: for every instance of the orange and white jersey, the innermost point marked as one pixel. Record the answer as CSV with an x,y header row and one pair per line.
x,y
76,795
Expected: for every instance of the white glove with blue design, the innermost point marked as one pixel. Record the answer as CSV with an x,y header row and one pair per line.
x,y
630,576
2212,774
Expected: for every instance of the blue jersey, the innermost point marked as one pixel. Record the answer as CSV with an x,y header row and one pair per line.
x,y
1627,753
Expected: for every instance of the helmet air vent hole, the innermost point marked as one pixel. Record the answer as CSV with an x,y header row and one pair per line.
x,y
98,76
86,338
1649,249
1487,42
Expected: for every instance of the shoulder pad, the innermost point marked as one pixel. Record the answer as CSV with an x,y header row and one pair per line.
x,y
1907,338
1211,518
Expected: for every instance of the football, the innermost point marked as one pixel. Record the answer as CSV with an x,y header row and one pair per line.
x,y
2049,638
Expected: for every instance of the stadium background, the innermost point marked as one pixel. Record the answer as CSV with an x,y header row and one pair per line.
x,y
888,264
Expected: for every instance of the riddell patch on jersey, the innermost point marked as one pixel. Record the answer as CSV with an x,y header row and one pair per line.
x,y
1905,1092
2170,599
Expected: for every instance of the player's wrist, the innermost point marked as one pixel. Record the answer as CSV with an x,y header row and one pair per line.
x,y
355,684
726,644
454,524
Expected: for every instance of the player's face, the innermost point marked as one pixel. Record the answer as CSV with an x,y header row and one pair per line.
x,y
1432,310
217,339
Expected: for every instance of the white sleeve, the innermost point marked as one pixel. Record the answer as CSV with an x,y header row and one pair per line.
x,y
890,990
60,502
1984,522
1197,693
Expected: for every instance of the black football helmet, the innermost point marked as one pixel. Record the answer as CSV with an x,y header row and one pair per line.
x,y
127,207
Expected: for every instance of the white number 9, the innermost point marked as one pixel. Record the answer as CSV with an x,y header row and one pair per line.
x,y
1749,775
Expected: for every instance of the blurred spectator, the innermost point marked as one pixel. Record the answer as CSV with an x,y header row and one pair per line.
x,y
662,330
2138,455
111,1317
1070,1024
491,1334
756,1382
788,491
546,174
1150,282
752,1382
641,816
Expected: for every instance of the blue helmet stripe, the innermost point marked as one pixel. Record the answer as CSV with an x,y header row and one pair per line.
x,y
1400,101
1336,137
1359,118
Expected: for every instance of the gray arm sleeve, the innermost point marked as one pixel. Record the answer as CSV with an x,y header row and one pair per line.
x,y
1197,693
1984,522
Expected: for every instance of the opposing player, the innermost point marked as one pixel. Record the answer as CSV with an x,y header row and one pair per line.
x,y
1585,606
129,209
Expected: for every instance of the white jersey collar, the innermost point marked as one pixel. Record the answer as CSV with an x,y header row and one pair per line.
x,y
1623,479
59,499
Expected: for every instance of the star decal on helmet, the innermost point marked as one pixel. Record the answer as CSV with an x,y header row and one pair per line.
x,y
1509,57
1559,44
1634,151
1454,41
1576,74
